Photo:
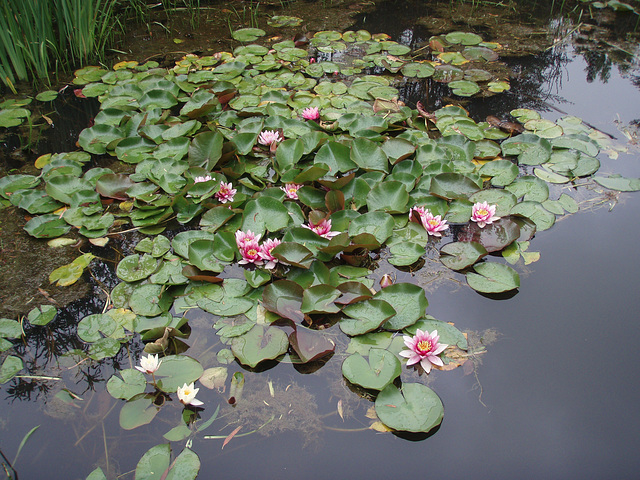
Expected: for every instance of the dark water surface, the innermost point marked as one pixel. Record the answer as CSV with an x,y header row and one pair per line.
x,y
556,396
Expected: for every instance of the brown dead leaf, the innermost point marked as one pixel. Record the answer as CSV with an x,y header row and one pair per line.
x,y
231,435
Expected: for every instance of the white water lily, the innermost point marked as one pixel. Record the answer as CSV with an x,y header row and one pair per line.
x,y
187,395
149,364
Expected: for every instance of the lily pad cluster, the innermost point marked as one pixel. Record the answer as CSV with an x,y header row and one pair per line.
x,y
180,133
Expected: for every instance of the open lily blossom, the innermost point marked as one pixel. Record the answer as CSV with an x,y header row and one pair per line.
x,y
311,113
187,395
202,179
250,254
226,193
434,224
269,137
424,348
149,364
265,252
484,214
323,228
246,238
291,190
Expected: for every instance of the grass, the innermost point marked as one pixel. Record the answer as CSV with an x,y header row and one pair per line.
x,y
40,37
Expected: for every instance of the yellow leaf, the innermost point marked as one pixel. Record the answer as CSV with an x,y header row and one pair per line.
x,y
125,64
379,427
42,160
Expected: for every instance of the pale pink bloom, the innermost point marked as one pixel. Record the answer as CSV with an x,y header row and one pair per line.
x,y
386,281
250,254
434,224
269,137
291,190
265,252
323,228
226,193
246,238
206,178
149,364
424,348
187,395
483,214
420,211
311,113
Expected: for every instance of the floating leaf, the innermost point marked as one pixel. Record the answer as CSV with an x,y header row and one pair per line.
x,y
382,368
10,367
248,34
493,278
621,184
413,408
259,344
460,255
365,316
71,273
409,302
126,384
310,345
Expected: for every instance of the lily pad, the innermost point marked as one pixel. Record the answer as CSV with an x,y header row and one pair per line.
x,y
259,344
379,370
365,316
493,278
248,34
409,302
412,408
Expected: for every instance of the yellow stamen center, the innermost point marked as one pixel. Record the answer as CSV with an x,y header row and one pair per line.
x,y
424,346
482,211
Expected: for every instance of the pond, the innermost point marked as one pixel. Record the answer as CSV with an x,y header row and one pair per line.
x,y
548,387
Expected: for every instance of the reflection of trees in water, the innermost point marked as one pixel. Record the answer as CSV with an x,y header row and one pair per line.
x,y
43,347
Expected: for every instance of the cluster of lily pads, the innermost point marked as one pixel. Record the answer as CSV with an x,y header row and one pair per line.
x,y
326,165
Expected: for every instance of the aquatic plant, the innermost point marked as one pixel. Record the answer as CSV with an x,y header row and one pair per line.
x,y
483,214
349,180
423,348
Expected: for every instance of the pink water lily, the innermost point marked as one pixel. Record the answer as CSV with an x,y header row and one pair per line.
x,y
246,238
323,228
265,252
291,190
423,347
202,179
226,193
433,224
311,113
187,395
250,254
484,214
269,137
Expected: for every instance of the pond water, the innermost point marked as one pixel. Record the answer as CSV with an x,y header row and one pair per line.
x,y
554,395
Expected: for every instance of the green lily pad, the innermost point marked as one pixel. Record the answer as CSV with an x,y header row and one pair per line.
x,y
10,367
409,302
405,253
259,344
126,384
381,368
365,316
413,408
448,334
248,34
47,226
138,411
460,255
463,38
530,149
464,88
42,315
176,370
621,184
12,117
536,212
493,278
135,267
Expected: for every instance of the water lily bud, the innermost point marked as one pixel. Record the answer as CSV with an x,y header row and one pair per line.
x,y
386,280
